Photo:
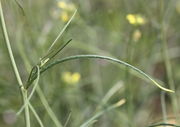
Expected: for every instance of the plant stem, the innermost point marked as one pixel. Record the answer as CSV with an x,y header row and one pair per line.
x,y
104,58
23,91
165,54
169,69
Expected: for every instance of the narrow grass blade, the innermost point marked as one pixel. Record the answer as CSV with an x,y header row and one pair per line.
x,y
91,120
60,49
163,107
164,124
105,58
48,108
62,31
69,116
9,47
109,94
36,115
21,7
23,91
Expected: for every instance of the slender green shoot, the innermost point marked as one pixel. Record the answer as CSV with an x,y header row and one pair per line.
x,y
46,58
163,106
62,31
9,47
109,94
97,115
21,7
47,107
164,124
36,115
23,91
69,116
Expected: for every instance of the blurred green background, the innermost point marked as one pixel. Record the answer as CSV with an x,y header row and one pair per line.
x,y
144,33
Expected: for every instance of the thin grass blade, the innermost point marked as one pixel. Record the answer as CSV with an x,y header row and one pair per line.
x,y
104,58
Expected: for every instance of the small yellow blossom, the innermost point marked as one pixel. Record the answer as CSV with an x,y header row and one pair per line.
x,y
66,6
131,18
64,16
71,78
136,35
135,19
66,9
140,20
62,5
178,7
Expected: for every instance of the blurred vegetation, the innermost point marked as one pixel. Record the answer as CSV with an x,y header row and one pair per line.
x,y
141,32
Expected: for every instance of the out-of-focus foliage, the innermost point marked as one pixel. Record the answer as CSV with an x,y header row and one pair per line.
x,y
131,30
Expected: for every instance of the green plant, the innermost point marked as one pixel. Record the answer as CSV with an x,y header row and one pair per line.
x,y
48,62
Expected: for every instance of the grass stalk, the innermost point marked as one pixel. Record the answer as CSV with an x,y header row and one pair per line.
x,y
47,107
169,69
23,91
62,31
164,124
36,115
104,58
100,113
165,55
163,106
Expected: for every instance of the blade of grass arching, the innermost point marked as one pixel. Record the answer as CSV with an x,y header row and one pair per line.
x,y
35,114
163,124
62,31
47,107
23,91
100,113
104,58
96,50
32,92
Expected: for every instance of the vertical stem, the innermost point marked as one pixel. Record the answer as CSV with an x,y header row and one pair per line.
x,y
23,91
169,75
167,62
163,105
47,107
129,86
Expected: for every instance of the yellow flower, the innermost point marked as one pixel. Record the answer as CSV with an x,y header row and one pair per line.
x,y
140,20
131,18
62,4
178,7
66,6
71,78
66,10
135,19
64,16
136,35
